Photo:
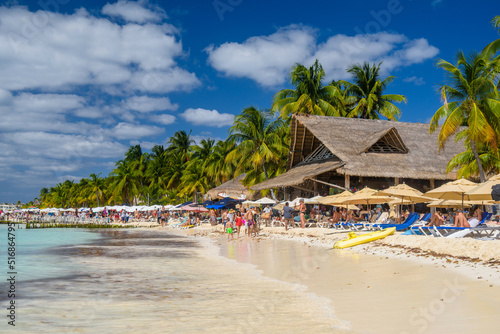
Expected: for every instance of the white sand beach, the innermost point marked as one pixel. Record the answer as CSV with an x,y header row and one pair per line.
x,y
401,284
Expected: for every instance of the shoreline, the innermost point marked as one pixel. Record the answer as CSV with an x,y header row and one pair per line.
x,y
378,281
477,259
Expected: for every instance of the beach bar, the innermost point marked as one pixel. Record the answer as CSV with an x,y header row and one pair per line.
x,y
328,153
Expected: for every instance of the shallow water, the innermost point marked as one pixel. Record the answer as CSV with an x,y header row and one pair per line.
x,y
131,281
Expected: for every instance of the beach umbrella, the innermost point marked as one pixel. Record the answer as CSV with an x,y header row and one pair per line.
x,y
335,199
313,200
366,196
348,206
448,203
264,201
247,204
405,192
194,208
482,192
292,204
455,190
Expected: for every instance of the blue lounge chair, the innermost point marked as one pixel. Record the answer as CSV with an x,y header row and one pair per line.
x,y
412,218
179,224
444,231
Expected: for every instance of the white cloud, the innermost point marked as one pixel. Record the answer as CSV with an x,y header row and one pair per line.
x,y
206,117
418,81
47,103
268,59
80,49
134,131
417,51
61,146
165,81
164,119
145,145
147,104
264,59
133,11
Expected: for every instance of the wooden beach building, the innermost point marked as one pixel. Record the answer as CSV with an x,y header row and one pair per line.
x,y
345,153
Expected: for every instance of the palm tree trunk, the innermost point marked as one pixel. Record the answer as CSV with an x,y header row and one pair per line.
x,y
267,178
478,161
97,195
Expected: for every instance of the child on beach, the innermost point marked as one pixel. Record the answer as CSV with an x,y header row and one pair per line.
x,y
229,229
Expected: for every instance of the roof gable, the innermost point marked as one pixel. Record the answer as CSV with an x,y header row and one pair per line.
x,y
386,141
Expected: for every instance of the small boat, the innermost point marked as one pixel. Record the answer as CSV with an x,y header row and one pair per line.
x,y
355,240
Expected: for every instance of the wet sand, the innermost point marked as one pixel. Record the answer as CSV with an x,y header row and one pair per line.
x,y
402,284
377,294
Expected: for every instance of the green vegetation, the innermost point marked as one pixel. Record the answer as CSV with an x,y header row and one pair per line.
x,y
471,109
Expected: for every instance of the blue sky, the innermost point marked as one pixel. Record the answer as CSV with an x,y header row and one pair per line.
x,y
81,81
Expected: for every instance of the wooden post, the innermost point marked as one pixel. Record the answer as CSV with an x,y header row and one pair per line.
x,y
396,181
432,184
347,181
315,187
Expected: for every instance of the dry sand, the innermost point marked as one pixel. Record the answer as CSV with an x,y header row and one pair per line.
x,y
401,284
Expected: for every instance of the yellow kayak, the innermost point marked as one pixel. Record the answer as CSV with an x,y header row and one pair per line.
x,y
355,240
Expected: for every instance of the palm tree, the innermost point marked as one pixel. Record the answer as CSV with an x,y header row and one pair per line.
x,y
125,181
471,100
258,142
368,90
96,185
217,169
310,96
134,153
44,193
467,166
179,144
492,49
194,180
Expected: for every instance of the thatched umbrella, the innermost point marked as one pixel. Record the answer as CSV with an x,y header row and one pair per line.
x,y
313,200
455,190
404,192
482,192
335,199
366,196
449,203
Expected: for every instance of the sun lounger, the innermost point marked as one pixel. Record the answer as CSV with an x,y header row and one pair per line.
x,y
179,224
447,231
410,220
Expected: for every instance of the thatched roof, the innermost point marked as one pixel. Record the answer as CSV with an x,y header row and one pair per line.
x,y
352,140
298,174
360,147
232,188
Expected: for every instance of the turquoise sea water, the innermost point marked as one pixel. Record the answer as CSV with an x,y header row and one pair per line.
x,y
144,281
35,258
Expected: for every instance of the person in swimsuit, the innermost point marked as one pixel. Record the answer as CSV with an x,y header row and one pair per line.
x,y
213,218
229,230
461,221
288,216
302,211
436,219
249,221
239,223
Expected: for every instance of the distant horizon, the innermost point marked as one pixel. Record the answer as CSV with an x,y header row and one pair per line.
x,y
82,81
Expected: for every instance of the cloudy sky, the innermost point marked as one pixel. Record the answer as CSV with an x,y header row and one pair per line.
x,y
81,81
